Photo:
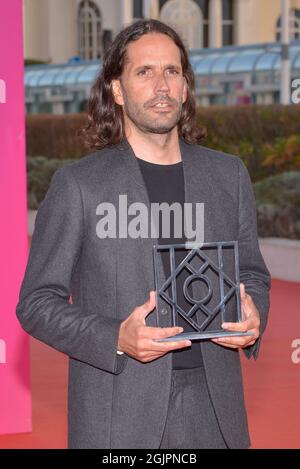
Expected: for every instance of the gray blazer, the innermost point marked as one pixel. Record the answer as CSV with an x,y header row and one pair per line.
x,y
116,401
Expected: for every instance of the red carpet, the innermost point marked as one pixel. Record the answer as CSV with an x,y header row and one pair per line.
x,y
272,385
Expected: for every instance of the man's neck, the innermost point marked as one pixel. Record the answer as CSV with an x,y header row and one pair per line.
x,y
156,148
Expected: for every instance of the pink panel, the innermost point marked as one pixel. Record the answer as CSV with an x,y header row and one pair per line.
x,y
15,395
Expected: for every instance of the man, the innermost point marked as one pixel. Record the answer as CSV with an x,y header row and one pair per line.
x,y
126,388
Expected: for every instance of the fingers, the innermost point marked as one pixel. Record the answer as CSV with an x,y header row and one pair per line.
x,y
140,341
160,332
237,342
242,326
248,307
148,336
242,292
151,303
224,344
244,296
168,346
152,350
250,315
250,324
244,305
147,346
143,310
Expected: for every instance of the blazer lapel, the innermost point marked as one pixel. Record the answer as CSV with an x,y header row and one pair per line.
x,y
144,252
194,192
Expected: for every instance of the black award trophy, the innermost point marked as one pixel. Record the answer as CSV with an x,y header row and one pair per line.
x,y
206,278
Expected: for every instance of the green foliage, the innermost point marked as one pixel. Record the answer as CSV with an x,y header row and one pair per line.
x,y
39,173
33,62
283,155
282,189
277,197
278,205
265,137
55,136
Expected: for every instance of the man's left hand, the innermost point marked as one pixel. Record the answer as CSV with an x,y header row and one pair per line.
x,y
250,323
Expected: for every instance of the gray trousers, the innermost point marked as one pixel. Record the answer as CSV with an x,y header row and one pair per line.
x,y
191,420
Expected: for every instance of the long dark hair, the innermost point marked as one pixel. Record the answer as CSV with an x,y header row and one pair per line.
x,y
105,125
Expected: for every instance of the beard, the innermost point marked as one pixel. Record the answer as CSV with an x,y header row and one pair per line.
x,y
141,116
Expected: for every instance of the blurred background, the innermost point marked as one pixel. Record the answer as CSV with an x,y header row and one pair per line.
x,y
246,59
236,51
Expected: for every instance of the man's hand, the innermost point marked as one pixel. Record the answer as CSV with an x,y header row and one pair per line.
x,y
251,323
138,340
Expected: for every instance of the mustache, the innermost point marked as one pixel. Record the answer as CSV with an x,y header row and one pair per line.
x,y
160,99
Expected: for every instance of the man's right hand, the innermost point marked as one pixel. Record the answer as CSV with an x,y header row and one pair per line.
x,y
138,340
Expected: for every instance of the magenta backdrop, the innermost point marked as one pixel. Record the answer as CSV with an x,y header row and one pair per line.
x,y
15,395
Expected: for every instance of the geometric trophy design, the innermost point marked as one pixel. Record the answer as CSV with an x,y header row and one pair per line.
x,y
206,280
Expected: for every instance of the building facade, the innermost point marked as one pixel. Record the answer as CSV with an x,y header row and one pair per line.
x,y
56,30
229,75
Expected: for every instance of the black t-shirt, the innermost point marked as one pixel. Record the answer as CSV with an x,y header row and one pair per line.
x,y
165,183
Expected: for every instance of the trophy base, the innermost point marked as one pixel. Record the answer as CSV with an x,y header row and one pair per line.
x,y
203,335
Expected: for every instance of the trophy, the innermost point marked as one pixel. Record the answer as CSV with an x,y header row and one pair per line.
x,y
205,278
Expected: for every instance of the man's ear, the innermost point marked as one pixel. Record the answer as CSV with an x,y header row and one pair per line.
x,y
117,92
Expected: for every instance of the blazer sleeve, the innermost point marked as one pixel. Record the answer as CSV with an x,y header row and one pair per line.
x,y
253,271
44,309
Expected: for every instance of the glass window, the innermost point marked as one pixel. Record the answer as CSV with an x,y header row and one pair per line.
x,y
245,61
194,59
138,9
228,22
205,65
293,52
89,30
294,25
227,34
203,4
89,74
297,61
161,3
60,78
48,77
35,77
265,62
71,78
227,9
205,33
27,77
221,64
